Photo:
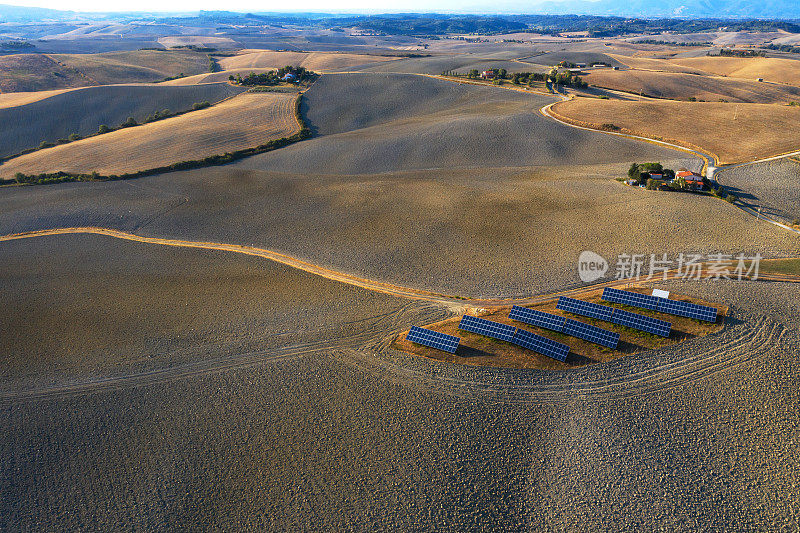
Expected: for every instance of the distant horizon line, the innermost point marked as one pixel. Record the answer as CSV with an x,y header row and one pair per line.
x,y
371,13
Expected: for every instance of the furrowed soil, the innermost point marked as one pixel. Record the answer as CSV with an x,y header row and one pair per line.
x,y
85,306
371,440
772,186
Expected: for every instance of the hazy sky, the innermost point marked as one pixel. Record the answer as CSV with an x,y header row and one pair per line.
x,y
296,5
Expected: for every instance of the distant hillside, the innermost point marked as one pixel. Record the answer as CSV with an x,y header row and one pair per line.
x,y
28,14
773,9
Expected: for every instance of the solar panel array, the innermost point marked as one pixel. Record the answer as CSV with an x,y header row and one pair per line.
x,y
645,301
495,330
579,307
565,325
662,305
616,316
433,339
591,333
689,310
541,345
641,322
537,318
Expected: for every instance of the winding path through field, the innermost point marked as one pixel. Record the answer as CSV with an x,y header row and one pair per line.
x,y
342,277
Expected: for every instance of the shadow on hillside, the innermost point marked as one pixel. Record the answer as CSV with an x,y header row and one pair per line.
x,y
304,113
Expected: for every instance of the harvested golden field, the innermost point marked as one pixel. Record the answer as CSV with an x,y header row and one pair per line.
x,y
242,122
197,40
679,86
771,69
660,65
321,62
17,99
316,61
37,72
136,66
262,59
734,132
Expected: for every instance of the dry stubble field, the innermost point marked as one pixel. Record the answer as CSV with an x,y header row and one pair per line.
x,y
245,121
684,86
734,132
135,66
315,61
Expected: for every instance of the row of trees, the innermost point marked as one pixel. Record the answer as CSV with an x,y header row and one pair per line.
x,y
220,159
129,123
793,49
531,78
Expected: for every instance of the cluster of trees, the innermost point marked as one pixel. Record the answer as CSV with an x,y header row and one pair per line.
x,y
567,79
16,45
731,52
273,77
228,157
640,172
674,43
531,78
783,48
72,137
528,78
193,48
176,77
719,191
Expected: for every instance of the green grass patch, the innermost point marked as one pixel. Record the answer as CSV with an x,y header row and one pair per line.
x,y
780,266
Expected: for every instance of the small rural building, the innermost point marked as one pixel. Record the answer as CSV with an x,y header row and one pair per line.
x,y
693,180
488,74
656,176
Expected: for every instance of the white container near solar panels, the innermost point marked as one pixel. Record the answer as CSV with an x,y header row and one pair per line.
x,y
658,293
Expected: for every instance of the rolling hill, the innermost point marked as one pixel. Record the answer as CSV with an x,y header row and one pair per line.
x,y
83,110
245,121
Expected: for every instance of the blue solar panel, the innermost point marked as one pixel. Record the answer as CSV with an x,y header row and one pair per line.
x,y
699,312
537,318
541,345
579,307
433,339
495,330
591,333
641,322
645,301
